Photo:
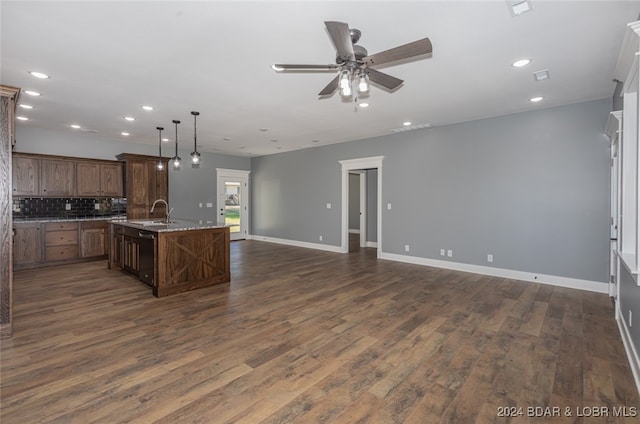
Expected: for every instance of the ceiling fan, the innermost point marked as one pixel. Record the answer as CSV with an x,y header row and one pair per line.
x,y
355,65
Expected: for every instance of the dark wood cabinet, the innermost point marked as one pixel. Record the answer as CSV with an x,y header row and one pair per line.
x,y
25,176
61,241
99,179
57,178
145,184
27,244
93,239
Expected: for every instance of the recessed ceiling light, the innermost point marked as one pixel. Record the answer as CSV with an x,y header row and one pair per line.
x,y
39,75
263,129
22,118
226,139
145,107
25,106
129,118
520,63
75,126
535,99
165,139
363,105
315,141
125,134
32,93
274,141
406,123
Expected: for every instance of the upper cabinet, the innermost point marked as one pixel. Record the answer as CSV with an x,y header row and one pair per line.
x,y
57,178
53,176
26,176
145,184
99,179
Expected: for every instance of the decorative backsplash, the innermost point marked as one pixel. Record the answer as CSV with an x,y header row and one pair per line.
x,y
75,207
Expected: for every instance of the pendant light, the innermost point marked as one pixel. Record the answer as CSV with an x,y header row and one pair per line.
x,y
195,156
160,164
176,159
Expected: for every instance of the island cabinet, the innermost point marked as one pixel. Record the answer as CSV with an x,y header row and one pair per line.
x,y
99,179
171,258
144,184
27,244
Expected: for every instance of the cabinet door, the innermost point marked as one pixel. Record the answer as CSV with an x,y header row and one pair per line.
x,y
25,176
138,205
93,239
111,180
87,179
159,189
27,244
57,178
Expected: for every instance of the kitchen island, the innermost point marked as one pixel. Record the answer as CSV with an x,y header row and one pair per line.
x,y
171,257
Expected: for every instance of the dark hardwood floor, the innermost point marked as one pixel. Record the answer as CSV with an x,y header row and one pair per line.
x,y
306,336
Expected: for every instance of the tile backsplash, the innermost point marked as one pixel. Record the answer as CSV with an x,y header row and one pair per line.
x,y
68,207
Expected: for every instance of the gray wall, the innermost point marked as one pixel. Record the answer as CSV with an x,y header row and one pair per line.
x,y
187,187
630,301
354,201
530,188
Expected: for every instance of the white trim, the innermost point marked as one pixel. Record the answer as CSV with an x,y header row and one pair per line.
x,y
243,176
296,243
632,354
354,231
371,244
353,165
363,208
553,280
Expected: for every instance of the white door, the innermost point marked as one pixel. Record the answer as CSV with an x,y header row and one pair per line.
x,y
233,201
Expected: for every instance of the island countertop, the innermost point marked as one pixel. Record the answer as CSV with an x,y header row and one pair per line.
x,y
173,225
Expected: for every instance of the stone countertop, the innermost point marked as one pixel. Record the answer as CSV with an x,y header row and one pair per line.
x,y
174,225
69,219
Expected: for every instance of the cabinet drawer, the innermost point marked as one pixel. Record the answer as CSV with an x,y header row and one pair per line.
x,y
61,253
57,238
90,225
59,226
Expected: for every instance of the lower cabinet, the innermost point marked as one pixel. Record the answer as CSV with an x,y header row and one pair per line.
x,y
27,244
61,241
93,239
55,243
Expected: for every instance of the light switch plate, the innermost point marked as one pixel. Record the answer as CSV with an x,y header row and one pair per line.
x,y
209,205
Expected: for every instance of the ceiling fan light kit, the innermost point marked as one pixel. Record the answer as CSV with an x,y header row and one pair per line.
x,y
355,65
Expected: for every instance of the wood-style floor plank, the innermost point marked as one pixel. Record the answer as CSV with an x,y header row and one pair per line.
x,y
304,336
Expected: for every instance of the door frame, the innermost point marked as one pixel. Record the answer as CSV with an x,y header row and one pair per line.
x,y
374,162
223,174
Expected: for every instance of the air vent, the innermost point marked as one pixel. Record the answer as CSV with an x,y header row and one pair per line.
x,y
541,75
411,128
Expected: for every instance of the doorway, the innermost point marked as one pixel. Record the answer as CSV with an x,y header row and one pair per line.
x,y
233,201
362,164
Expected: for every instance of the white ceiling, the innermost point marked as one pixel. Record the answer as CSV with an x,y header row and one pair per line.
x,y
106,59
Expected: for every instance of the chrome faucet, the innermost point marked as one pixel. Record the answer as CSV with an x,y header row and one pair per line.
x,y
167,207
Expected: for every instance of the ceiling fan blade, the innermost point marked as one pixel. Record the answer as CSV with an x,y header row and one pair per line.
x,y
279,67
405,51
383,79
339,32
331,87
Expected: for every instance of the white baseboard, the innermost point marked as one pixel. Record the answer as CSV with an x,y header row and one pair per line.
x,y
354,231
317,246
632,354
553,280
371,244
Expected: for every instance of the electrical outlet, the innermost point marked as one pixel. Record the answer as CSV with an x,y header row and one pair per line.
x,y
321,237
489,257
328,205
441,252
406,247
388,206
96,206
200,204
450,253
67,206
630,317
209,205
